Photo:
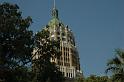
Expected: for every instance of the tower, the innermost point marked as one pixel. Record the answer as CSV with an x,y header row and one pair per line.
x,y
68,63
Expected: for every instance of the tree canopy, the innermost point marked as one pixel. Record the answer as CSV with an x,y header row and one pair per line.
x,y
16,42
116,66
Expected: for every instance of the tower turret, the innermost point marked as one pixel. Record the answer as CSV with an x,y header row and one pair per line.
x,y
54,11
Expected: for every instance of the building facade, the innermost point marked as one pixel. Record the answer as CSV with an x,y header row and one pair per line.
x,y
68,62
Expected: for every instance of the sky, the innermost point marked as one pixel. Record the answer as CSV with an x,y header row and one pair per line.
x,y
98,27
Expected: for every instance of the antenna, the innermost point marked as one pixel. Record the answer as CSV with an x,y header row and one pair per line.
x,y
54,4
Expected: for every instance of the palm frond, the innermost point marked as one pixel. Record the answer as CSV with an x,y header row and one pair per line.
x,y
116,66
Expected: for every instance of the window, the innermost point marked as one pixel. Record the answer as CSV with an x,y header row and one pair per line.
x,y
63,39
64,49
71,75
58,38
63,34
67,74
58,33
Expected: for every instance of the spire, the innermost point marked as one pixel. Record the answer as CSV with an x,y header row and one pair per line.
x,y
54,11
54,4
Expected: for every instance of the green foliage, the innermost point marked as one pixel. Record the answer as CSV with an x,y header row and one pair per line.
x,y
45,49
16,43
80,80
116,66
94,78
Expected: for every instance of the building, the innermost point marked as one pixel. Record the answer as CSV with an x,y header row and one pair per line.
x,y
68,63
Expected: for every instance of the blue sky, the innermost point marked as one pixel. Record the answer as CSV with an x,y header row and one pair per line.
x,y
98,26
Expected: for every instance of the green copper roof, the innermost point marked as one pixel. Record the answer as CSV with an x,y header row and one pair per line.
x,y
55,20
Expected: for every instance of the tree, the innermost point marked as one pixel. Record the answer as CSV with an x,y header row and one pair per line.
x,y
16,42
116,66
94,78
91,78
79,77
80,80
45,50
